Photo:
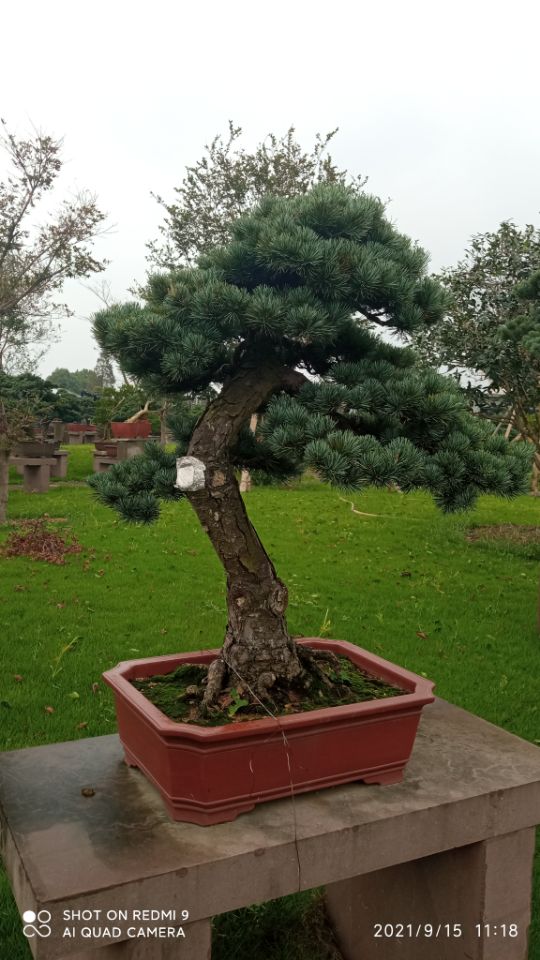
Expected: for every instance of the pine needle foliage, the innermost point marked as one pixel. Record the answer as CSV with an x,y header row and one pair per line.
x,y
308,284
524,329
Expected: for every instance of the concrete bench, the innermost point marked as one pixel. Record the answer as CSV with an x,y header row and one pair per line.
x,y
58,468
450,847
36,472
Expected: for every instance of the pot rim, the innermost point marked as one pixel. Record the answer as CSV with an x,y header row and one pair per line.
x,y
419,694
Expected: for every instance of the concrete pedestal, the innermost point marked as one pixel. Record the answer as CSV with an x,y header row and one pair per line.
x,y
101,463
59,469
123,450
450,846
36,472
79,436
57,431
472,902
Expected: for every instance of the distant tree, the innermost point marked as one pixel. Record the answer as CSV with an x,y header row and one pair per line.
x,y
37,256
522,334
523,330
18,386
35,260
78,381
70,408
57,404
228,181
472,339
104,371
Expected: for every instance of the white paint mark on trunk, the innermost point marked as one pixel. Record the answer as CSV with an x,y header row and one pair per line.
x,y
190,473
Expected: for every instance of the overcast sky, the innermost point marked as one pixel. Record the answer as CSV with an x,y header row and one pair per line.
x,y
437,103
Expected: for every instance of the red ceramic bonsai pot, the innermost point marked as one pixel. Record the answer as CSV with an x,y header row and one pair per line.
x,y
141,429
212,774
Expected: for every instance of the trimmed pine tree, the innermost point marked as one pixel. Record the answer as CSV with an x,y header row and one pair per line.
x,y
285,321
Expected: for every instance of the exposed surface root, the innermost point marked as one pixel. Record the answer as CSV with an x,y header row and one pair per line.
x,y
180,695
221,678
311,660
265,684
217,672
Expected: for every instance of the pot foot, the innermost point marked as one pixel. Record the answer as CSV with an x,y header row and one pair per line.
x,y
206,818
384,777
130,759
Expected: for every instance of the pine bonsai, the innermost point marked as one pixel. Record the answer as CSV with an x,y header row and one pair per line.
x,y
284,321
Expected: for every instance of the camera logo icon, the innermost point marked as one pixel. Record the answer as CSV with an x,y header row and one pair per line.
x,y
36,924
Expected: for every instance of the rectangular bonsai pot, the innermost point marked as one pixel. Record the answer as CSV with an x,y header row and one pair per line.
x,y
131,431
212,774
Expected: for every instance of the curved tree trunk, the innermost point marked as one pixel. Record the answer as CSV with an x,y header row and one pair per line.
x,y
257,648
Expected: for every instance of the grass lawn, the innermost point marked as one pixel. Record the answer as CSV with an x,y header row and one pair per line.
x,y
464,614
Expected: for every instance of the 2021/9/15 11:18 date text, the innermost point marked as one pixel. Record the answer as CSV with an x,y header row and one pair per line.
x,y
392,931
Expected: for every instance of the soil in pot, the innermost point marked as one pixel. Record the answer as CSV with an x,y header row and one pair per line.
x,y
179,694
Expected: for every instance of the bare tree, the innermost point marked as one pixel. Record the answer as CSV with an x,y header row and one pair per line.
x,y
36,258
228,180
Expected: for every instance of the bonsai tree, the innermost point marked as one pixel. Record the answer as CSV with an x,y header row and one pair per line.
x,y
286,319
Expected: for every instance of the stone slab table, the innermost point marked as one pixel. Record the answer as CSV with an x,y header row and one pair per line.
x,y
451,846
36,472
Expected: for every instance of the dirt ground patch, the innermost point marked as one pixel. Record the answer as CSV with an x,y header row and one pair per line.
x,y
512,532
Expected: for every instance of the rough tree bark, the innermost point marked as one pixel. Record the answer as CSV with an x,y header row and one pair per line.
x,y
257,650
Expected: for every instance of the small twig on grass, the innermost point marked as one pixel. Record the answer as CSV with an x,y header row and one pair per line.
x,y
383,516
360,512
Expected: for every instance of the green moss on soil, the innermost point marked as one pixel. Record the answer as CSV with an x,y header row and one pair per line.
x,y
178,694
